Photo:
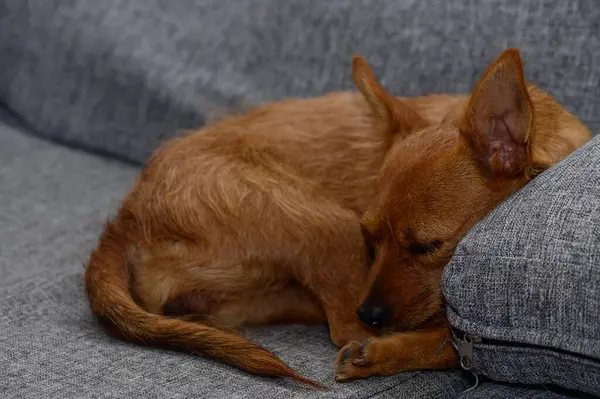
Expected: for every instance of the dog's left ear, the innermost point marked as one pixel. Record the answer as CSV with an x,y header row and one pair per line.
x,y
395,115
499,118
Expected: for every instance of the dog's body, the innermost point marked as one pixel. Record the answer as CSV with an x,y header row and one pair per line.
x,y
252,220
256,220
436,183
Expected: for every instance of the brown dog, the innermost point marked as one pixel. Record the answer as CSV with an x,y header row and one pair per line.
x,y
437,181
253,220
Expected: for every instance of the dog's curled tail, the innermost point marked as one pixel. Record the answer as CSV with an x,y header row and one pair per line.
x,y
107,288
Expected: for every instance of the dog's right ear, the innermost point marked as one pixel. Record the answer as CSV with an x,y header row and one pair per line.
x,y
393,113
498,120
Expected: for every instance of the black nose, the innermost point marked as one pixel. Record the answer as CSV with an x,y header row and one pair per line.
x,y
373,315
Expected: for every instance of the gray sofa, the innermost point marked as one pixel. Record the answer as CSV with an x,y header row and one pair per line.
x,y
89,88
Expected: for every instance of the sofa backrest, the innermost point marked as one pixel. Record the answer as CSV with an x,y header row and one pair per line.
x,y
119,77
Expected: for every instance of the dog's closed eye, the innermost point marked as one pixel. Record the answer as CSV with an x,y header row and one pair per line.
x,y
371,251
424,248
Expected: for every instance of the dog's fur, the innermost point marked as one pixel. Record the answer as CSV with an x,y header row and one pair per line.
x,y
435,185
253,220
256,219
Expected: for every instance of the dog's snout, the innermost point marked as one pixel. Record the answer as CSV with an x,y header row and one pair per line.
x,y
373,315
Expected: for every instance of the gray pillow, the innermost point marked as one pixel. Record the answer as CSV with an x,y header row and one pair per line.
x,y
120,76
525,282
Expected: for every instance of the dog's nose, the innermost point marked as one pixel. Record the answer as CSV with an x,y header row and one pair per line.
x,y
373,315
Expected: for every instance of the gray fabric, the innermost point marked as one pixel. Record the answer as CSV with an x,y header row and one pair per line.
x,y
489,390
54,201
121,75
529,274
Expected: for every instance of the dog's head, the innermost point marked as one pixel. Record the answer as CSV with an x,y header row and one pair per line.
x,y
438,181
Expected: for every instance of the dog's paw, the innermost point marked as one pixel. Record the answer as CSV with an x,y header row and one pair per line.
x,y
356,360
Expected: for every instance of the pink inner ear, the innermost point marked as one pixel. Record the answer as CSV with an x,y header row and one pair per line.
x,y
507,155
501,117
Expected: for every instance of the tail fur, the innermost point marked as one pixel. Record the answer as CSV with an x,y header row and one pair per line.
x,y
107,287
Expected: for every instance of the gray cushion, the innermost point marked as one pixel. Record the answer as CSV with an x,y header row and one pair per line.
x,y
489,390
53,204
527,280
119,76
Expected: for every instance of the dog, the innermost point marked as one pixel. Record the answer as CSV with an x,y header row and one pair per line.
x,y
436,182
254,219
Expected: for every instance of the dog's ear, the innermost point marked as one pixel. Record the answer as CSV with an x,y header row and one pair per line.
x,y
499,118
395,115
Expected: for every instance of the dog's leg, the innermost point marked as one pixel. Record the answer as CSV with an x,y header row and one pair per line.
x,y
288,228
224,295
255,236
329,275
395,353
336,275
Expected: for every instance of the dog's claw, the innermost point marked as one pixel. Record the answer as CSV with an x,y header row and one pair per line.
x,y
364,346
355,361
362,360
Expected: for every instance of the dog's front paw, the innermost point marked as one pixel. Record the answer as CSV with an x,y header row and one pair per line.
x,y
357,360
